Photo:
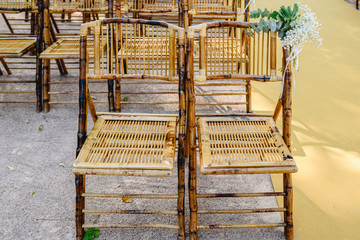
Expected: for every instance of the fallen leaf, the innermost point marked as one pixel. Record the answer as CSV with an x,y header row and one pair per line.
x,y
11,168
125,98
27,121
32,193
127,200
41,127
93,97
62,165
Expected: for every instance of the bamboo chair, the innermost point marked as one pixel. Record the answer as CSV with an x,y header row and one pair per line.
x,y
13,46
67,47
239,144
165,10
16,7
129,144
218,9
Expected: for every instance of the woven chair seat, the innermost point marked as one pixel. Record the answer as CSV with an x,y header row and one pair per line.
x,y
67,48
227,144
141,48
119,145
15,47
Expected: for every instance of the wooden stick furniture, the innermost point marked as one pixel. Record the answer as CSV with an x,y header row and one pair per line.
x,y
12,46
130,145
218,9
65,48
16,7
238,144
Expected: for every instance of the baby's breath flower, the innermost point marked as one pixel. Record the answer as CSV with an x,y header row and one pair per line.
x,y
305,29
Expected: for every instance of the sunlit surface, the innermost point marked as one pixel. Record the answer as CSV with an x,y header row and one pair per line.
x,y
326,128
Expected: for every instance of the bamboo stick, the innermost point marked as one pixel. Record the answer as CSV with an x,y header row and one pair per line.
x,y
288,204
226,195
240,211
118,195
229,226
154,225
121,211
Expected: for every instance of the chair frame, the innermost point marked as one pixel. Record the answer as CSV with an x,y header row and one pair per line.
x,y
50,39
85,102
284,103
37,13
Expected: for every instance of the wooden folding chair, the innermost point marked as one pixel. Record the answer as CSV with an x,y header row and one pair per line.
x,y
164,10
130,144
17,7
16,45
206,10
65,48
243,143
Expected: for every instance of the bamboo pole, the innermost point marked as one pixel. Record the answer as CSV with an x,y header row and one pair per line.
x,y
192,139
80,205
39,62
46,66
288,204
181,135
7,23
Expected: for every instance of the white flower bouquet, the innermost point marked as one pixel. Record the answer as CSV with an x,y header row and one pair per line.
x,y
296,26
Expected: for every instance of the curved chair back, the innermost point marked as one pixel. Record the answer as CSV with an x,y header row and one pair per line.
x,y
227,50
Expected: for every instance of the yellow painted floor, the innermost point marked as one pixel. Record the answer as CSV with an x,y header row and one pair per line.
x,y
326,125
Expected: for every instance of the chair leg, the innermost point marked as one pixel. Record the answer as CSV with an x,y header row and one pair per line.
x,y
46,85
181,194
5,66
80,205
111,99
288,204
117,95
193,202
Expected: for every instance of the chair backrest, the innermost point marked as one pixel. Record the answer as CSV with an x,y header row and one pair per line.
x,y
17,5
86,6
152,6
227,50
135,49
218,8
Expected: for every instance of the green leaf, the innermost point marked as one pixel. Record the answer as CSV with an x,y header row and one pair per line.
x,y
284,12
272,25
296,9
125,98
265,13
281,34
32,193
250,33
41,127
11,168
91,233
62,165
273,15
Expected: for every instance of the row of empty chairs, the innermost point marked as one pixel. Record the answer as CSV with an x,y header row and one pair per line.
x,y
154,145
54,45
